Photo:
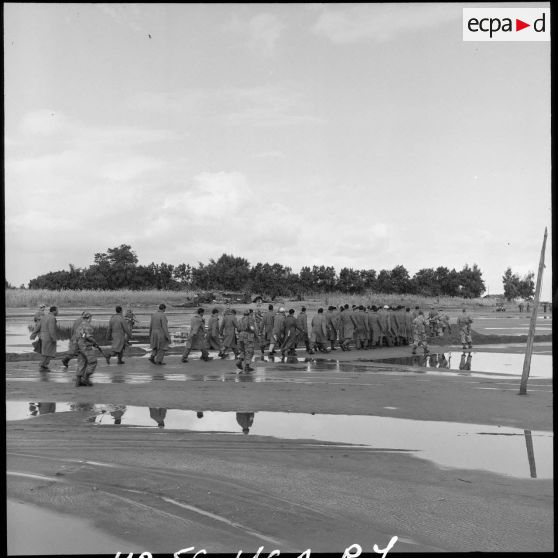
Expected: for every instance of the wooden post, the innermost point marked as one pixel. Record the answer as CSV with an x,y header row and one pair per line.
x,y
530,454
531,336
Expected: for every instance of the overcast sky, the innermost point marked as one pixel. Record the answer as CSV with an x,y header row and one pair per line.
x,y
358,135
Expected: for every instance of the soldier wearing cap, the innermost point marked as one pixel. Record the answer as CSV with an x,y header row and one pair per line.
x,y
196,339
374,331
302,321
278,333
361,329
213,339
73,350
347,327
319,331
332,323
464,322
420,325
246,341
46,330
87,359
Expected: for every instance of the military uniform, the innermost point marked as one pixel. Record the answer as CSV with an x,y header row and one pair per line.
x,y
420,333
346,329
196,339
332,323
246,342
384,321
292,330
72,346
302,322
374,331
213,339
278,333
87,357
228,329
464,322
119,332
159,336
319,332
361,329
46,330
266,333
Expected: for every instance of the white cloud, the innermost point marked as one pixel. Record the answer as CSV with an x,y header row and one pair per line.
x,y
264,31
260,32
381,22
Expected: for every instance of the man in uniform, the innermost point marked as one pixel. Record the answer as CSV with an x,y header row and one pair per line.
x,y
374,331
420,326
319,331
384,322
464,322
72,347
213,339
266,333
228,329
361,329
87,359
347,328
46,330
278,334
118,332
196,339
246,341
292,331
332,319
302,321
159,335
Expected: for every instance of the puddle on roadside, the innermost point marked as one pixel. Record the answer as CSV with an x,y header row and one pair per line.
x,y
498,363
31,527
503,450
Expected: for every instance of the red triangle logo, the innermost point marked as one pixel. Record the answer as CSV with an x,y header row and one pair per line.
x,y
519,25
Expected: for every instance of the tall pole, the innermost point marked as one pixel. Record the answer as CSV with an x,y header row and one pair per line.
x,y
531,336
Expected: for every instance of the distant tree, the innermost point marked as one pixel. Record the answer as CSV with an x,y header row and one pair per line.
x,y
323,278
384,282
369,279
527,286
470,279
8,285
400,279
306,279
350,281
511,284
426,282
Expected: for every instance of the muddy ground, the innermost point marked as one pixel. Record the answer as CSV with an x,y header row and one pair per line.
x,y
162,490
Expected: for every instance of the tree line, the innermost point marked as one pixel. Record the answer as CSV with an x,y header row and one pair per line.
x,y
118,269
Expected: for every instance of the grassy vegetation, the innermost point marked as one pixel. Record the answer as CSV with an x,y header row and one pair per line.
x,y
28,298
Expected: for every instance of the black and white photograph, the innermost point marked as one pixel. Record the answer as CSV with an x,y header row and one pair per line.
x,y
278,278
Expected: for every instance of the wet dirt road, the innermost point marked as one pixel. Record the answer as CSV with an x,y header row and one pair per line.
x,y
167,488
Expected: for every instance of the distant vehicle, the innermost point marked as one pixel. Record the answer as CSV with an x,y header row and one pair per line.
x,y
500,307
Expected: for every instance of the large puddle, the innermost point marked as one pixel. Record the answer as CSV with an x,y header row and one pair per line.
x,y
498,363
503,450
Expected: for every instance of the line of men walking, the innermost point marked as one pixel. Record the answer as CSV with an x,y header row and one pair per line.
x,y
365,328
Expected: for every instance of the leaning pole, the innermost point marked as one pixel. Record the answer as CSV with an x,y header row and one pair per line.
x,y
531,336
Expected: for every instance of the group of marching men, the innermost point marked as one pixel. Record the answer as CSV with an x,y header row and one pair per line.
x,y
365,328
82,341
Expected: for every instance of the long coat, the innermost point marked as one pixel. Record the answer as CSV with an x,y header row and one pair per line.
x,y
347,324
291,329
332,323
196,339
119,332
213,332
159,331
361,330
229,325
279,326
46,329
374,326
319,328
268,319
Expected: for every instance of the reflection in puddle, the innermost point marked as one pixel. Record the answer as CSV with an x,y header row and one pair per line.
x,y
507,363
503,450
